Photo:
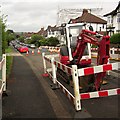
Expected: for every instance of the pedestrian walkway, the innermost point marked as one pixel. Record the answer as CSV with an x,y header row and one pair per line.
x,y
26,97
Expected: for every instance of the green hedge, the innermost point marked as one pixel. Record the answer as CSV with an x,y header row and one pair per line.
x,y
115,38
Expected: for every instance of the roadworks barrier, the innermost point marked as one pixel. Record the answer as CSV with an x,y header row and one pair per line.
x,y
3,75
114,53
50,70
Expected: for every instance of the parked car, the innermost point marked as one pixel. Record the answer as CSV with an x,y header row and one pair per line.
x,y
23,49
32,46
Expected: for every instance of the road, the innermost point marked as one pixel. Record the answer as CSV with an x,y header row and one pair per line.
x,y
31,95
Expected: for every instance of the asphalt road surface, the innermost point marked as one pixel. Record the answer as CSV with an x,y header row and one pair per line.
x,y
30,95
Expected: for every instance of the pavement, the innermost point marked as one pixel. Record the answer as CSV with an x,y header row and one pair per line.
x,y
26,98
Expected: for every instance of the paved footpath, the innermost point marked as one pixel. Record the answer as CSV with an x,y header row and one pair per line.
x,y
26,98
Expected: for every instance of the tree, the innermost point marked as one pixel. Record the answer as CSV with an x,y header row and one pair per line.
x,y
35,39
53,41
10,35
21,38
2,35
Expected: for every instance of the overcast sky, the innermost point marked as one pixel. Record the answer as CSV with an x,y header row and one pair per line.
x,y
31,15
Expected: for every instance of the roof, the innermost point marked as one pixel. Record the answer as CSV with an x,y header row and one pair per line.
x,y
50,28
88,18
42,32
114,12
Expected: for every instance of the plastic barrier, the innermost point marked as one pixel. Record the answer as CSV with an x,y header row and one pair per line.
x,y
113,52
75,74
3,80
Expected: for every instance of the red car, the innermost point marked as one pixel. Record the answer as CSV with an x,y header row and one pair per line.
x,y
23,49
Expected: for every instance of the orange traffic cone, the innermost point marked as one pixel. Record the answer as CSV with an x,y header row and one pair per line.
x,y
27,53
38,51
32,52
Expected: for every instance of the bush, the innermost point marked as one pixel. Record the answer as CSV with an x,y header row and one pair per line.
x,y
115,38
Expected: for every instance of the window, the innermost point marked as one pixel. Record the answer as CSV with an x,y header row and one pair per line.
x,y
108,19
52,33
118,17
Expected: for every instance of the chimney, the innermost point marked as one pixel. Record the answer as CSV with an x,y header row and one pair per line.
x,y
85,11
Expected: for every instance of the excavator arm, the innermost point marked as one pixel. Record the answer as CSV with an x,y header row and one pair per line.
x,y
103,44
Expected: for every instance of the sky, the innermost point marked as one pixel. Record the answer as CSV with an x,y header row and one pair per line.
x,y
31,15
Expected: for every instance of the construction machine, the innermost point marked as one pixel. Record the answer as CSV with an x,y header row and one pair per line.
x,y
77,51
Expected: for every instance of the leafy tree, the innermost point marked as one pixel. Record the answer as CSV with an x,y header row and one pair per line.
x,y
35,39
10,35
43,42
53,41
21,38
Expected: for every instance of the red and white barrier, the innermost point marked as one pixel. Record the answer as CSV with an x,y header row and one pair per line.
x,y
102,93
75,77
3,80
111,49
113,54
98,69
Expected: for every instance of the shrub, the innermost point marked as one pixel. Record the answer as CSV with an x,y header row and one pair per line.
x,y
115,38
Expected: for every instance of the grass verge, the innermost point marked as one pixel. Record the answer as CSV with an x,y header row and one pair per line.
x,y
9,61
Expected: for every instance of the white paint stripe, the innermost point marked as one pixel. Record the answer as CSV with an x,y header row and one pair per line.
x,y
1,63
98,69
94,95
61,66
80,72
112,92
66,67
115,66
1,90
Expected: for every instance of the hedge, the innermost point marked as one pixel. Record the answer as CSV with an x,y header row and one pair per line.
x,y
115,38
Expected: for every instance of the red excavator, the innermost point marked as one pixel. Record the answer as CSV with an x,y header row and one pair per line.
x,y
77,51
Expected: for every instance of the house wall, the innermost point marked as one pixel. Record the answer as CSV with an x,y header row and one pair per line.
x,y
96,27
114,21
52,34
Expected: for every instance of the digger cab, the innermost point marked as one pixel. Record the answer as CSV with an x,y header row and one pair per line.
x,y
67,51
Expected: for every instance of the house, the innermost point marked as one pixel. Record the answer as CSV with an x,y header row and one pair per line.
x,y
91,21
42,32
28,35
52,31
113,20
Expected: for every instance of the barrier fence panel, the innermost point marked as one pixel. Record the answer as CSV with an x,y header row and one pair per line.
x,y
3,80
77,73
98,69
114,53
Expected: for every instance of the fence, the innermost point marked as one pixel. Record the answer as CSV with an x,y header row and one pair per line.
x,y
77,97
114,53
3,80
